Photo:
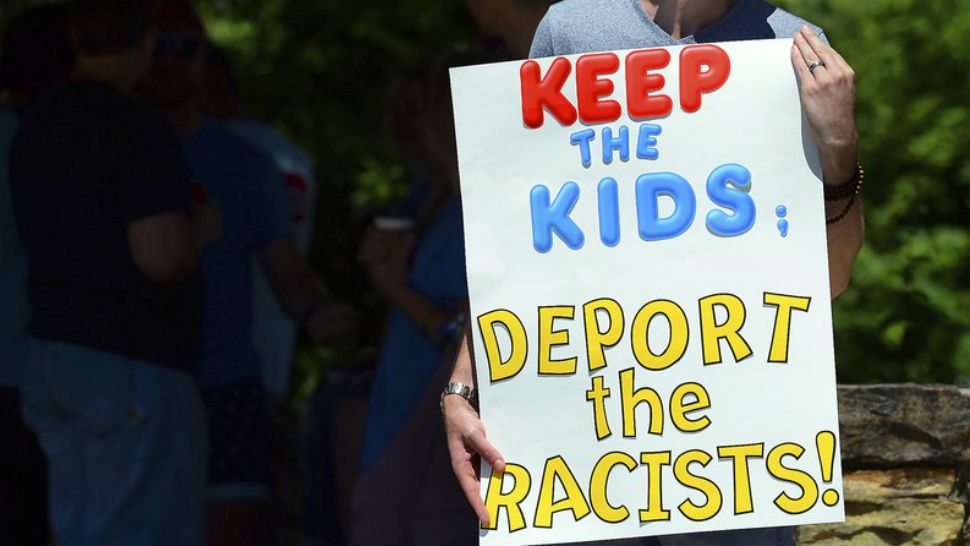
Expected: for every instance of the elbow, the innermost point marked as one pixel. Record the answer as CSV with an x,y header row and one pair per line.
x,y
840,276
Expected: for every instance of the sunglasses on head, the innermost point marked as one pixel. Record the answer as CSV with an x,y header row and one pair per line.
x,y
178,46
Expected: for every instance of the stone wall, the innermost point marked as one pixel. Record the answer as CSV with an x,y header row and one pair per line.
x,y
906,464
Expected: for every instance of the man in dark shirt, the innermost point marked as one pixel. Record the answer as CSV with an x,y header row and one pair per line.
x,y
258,224
101,197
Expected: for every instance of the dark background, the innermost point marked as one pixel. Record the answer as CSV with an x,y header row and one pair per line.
x,y
319,71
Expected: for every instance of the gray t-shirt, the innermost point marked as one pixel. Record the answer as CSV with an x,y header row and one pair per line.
x,y
582,26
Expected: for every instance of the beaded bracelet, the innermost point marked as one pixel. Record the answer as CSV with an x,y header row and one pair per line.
x,y
848,190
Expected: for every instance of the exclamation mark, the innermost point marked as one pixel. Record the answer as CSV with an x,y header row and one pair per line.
x,y
825,443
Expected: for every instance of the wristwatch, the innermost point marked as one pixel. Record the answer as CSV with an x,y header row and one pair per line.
x,y
459,389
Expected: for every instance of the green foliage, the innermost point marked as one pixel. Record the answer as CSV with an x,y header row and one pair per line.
x,y
907,313
320,70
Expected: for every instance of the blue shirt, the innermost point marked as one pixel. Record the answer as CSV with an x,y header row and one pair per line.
x,y
408,359
15,311
246,186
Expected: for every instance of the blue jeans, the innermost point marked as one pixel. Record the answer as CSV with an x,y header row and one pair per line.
x,y
125,443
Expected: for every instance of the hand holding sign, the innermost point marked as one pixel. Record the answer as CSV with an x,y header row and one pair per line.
x,y
828,89
469,447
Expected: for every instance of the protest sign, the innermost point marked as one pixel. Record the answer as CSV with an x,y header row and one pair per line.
x,y
650,310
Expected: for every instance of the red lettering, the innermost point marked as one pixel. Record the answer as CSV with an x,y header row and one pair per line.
x,y
703,69
639,84
589,88
695,80
539,93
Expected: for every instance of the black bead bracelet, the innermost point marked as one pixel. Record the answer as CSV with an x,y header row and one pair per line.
x,y
849,190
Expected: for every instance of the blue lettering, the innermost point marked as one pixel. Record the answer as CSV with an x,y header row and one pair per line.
x,y
728,186
548,218
621,143
649,188
582,139
647,141
609,206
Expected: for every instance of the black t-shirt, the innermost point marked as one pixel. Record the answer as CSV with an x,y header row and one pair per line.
x,y
86,162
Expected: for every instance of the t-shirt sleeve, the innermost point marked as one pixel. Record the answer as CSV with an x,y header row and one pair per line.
x,y
269,214
152,176
542,40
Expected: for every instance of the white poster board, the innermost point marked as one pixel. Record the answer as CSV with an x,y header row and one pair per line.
x,y
651,323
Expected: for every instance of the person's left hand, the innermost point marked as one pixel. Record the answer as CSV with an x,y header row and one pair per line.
x,y
386,261
828,94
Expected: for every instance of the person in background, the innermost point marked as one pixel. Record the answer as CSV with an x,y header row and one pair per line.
x,y
37,53
512,22
274,333
827,86
405,107
101,198
428,300
337,412
258,223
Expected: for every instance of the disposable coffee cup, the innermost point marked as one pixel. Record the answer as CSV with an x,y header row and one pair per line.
x,y
394,230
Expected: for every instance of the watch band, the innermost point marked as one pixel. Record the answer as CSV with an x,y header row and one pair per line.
x,y
460,389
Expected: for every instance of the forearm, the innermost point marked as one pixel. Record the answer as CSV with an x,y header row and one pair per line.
x,y
464,371
844,237
844,241
297,287
429,316
304,291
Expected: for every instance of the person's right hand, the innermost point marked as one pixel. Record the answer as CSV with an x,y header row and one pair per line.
x,y
467,445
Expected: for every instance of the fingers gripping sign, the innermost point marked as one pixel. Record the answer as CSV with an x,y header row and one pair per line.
x,y
827,85
467,446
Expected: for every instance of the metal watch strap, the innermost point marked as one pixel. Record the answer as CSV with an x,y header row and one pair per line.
x,y
460,389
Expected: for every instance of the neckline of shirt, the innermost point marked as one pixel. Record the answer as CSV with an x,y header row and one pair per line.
x,y
692,38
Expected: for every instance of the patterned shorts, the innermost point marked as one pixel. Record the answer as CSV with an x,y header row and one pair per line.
x,y
239,466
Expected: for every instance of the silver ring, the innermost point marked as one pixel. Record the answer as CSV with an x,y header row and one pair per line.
x,y
812,66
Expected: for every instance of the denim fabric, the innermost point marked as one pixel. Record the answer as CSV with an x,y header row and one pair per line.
x,y
125,443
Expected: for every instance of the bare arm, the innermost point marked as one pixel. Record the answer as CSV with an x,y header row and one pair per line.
x,y
828,96
466,434
844,242
294,284
302,294
429,316
387,265
163,247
